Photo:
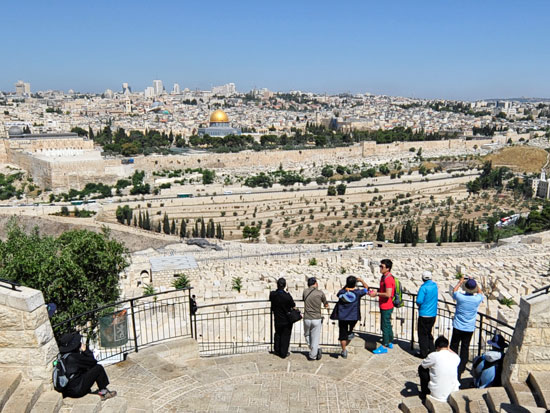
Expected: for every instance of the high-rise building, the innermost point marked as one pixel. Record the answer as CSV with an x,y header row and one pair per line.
x,y
149,92
27,88
158,87
176,89
20,88
224,90
126,89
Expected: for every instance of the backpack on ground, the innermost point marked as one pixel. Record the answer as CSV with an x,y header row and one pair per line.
x,y
397,298
60,378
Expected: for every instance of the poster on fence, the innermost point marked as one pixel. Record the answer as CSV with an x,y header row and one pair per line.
x,y
113,329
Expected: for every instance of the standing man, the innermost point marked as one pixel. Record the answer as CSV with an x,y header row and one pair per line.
x,y
385,294
464,321
427,311
281,304
437,372
313,321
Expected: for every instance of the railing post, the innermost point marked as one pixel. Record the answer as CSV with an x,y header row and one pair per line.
x,y
134,325
412,322
480,334
190,313
271,329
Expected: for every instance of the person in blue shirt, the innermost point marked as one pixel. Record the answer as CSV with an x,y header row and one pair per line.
x,y
487,368
427,311
464,321
349,311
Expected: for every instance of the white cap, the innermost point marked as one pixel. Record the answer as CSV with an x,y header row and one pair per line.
x,y
426,275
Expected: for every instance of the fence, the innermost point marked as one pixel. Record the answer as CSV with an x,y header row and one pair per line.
x,y
117,329
245,326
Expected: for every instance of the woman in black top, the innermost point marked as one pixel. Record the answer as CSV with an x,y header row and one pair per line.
x,y
281,304
82,369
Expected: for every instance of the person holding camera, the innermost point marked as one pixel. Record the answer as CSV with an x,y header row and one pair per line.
x,y
464,321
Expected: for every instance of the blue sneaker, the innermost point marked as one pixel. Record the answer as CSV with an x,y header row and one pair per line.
x,y
390,345
380,350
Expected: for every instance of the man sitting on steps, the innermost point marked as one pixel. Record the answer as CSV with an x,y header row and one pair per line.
x,y
439,372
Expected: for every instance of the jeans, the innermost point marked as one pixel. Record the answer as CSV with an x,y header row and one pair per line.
x,y
282,339
425,337
312,332
385,321
461,338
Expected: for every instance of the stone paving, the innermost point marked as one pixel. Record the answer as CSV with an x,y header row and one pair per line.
x,y
260,382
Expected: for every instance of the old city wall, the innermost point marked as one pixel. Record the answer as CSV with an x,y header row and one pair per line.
x,y
27,342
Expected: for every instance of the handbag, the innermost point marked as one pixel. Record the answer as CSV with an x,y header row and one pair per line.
x,y
294,315
334,315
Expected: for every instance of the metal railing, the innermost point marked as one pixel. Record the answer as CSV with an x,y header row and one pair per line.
x,y
120,328
245,326
12,284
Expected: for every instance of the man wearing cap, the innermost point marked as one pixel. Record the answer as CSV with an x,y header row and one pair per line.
x,y
487,368
464,321
313,321
427,311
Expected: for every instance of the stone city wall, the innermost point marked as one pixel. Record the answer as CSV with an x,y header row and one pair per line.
x,y
530,346
27,342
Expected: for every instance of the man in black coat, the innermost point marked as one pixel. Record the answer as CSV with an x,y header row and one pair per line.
x,y
281,304
82,369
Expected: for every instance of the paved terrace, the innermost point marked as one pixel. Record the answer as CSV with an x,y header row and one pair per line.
x,y
261,382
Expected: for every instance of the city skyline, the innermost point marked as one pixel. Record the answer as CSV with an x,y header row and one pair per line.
x,y
469,51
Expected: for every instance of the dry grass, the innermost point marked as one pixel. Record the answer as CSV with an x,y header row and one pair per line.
x,y
520,158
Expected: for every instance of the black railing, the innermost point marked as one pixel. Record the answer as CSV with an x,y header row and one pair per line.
x,y
117,329
540,291
12,284
244,326
247,326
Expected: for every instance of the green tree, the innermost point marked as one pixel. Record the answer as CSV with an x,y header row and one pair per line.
x,y
341,189
166,224
78,271
327,171
208,176
431,237
183,228
380,236
331,191
181,281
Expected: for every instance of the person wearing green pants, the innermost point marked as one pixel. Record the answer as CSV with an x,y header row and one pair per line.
x,y
385,295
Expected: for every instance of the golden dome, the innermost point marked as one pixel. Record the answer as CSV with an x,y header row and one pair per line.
x,y
219,116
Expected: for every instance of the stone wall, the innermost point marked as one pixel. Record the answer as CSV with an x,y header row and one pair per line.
x,y
530,346
27,342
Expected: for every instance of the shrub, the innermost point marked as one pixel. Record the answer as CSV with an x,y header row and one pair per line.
x,y
182,281
313,261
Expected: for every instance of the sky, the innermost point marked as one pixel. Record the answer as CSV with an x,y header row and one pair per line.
x,y
447,49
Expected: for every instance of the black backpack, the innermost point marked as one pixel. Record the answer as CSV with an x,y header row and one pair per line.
x,y
60,378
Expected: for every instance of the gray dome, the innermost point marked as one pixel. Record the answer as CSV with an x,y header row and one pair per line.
x,y
15,130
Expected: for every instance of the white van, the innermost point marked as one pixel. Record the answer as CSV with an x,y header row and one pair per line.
x,y
363,245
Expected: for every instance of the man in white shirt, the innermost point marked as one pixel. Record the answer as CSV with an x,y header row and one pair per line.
x,y
439,372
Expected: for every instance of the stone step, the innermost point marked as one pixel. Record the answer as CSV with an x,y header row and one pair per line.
x,y
521,394
91,403
469,400
496,396
48,402
540,383
117,404
412,405
435,406
514,408
8,384
24,397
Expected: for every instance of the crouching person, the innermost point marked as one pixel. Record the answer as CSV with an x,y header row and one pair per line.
x,y
82,369
439,372
487,368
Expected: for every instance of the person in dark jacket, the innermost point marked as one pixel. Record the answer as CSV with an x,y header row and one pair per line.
x,y
82,369
349,311
281,304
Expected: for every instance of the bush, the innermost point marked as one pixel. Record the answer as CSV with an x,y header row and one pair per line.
x,y
313,261
182,281
237,284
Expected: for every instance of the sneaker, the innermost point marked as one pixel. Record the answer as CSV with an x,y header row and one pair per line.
x,y
319,354
351,336
390,345
344,354
380,350
106,394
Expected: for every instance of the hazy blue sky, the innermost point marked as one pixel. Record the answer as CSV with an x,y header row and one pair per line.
x,y
448,49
